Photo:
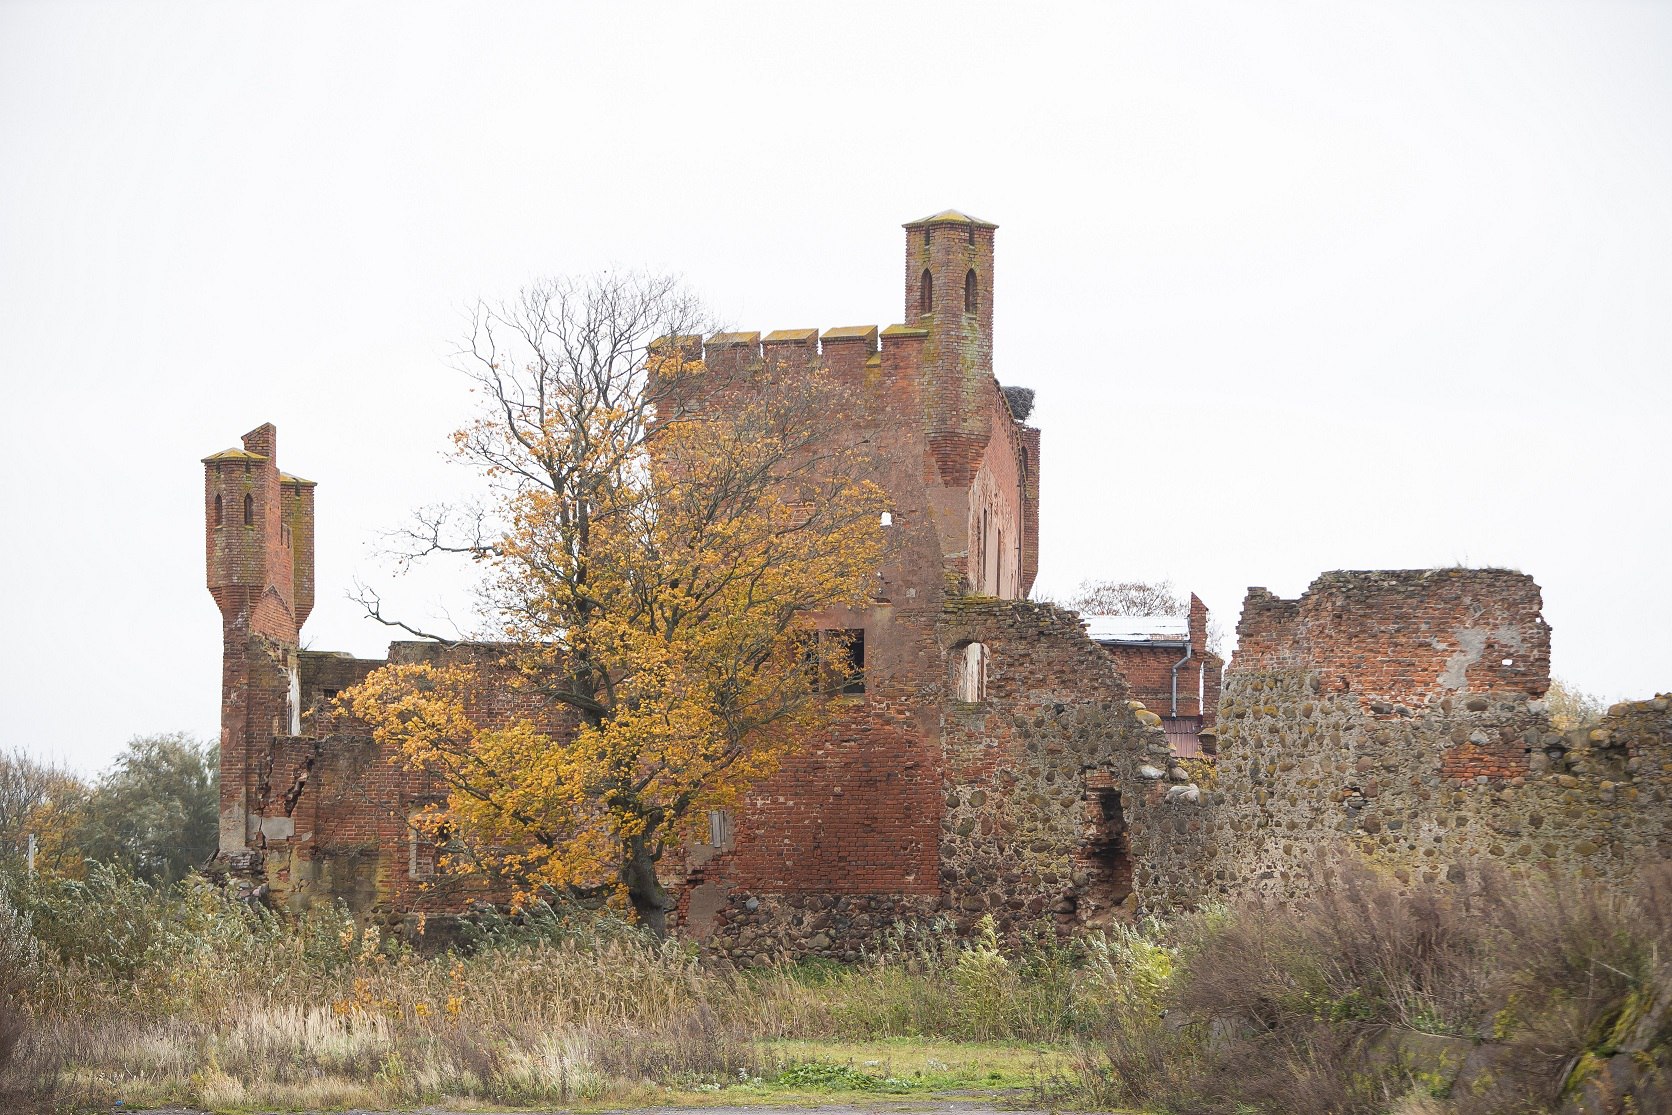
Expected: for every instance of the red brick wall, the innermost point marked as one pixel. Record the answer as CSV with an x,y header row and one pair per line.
x,y
1149,671
854,813
1403,636
1456,641
858,813
348,802
958,357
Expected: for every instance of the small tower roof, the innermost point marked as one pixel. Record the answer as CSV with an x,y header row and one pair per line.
x,y
950,217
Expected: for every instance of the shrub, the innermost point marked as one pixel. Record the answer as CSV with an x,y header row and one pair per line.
x,y
19,954
1369,993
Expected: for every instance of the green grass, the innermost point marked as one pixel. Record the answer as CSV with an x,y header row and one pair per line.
x,y
903,1071
921,1065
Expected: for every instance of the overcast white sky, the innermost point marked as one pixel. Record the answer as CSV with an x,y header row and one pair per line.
x,y
1301,286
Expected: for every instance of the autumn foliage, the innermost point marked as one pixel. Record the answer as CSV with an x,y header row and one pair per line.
x,y
657,541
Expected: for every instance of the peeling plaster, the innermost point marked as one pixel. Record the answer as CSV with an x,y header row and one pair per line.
x,y
1473,642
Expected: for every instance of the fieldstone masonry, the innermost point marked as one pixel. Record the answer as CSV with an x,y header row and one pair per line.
x,y
1399,714
1055,806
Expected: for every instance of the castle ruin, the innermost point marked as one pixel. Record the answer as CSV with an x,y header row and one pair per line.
x,y
998,758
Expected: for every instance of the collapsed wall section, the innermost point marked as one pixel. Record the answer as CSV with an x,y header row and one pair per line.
x,y
1398,715
1063,800
1057,803
333,811
1404,635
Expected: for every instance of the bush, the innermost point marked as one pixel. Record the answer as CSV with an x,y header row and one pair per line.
x,y
1369,994
19,954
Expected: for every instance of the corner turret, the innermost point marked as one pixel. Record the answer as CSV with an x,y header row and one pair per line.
x,y
258,549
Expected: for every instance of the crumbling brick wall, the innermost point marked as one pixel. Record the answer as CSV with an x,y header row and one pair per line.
x,y
1398,714
1057,805
334,810
1403,636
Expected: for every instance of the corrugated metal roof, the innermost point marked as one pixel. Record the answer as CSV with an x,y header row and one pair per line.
x,y
1183,733
1138,629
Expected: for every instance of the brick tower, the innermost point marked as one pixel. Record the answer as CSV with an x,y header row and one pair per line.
x,y
982,468
258,542
949,291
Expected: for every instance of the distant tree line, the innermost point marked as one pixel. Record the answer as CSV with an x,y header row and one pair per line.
x,y
154,813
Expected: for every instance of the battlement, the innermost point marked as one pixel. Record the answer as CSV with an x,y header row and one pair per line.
x,y
838,347
744,349
1403,635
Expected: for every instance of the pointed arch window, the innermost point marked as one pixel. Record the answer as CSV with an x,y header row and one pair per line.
x,y
249,510
970,294
926,293
220,511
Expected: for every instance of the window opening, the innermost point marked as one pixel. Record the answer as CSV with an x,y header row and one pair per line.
x,y
840,672
220,512
719,828
424,850
249,509
925,236
853,683
926,293
969,291
969,681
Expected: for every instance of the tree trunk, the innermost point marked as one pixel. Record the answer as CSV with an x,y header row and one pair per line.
x,y
651,902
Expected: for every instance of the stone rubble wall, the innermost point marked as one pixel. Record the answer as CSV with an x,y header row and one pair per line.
x,y
1306,776
1397,714
1025,770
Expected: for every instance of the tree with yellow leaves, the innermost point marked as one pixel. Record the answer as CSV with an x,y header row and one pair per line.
x,y
658,539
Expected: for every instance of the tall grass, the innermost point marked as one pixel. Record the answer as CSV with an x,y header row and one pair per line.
x,y
1507,999
185,996
1486,1002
